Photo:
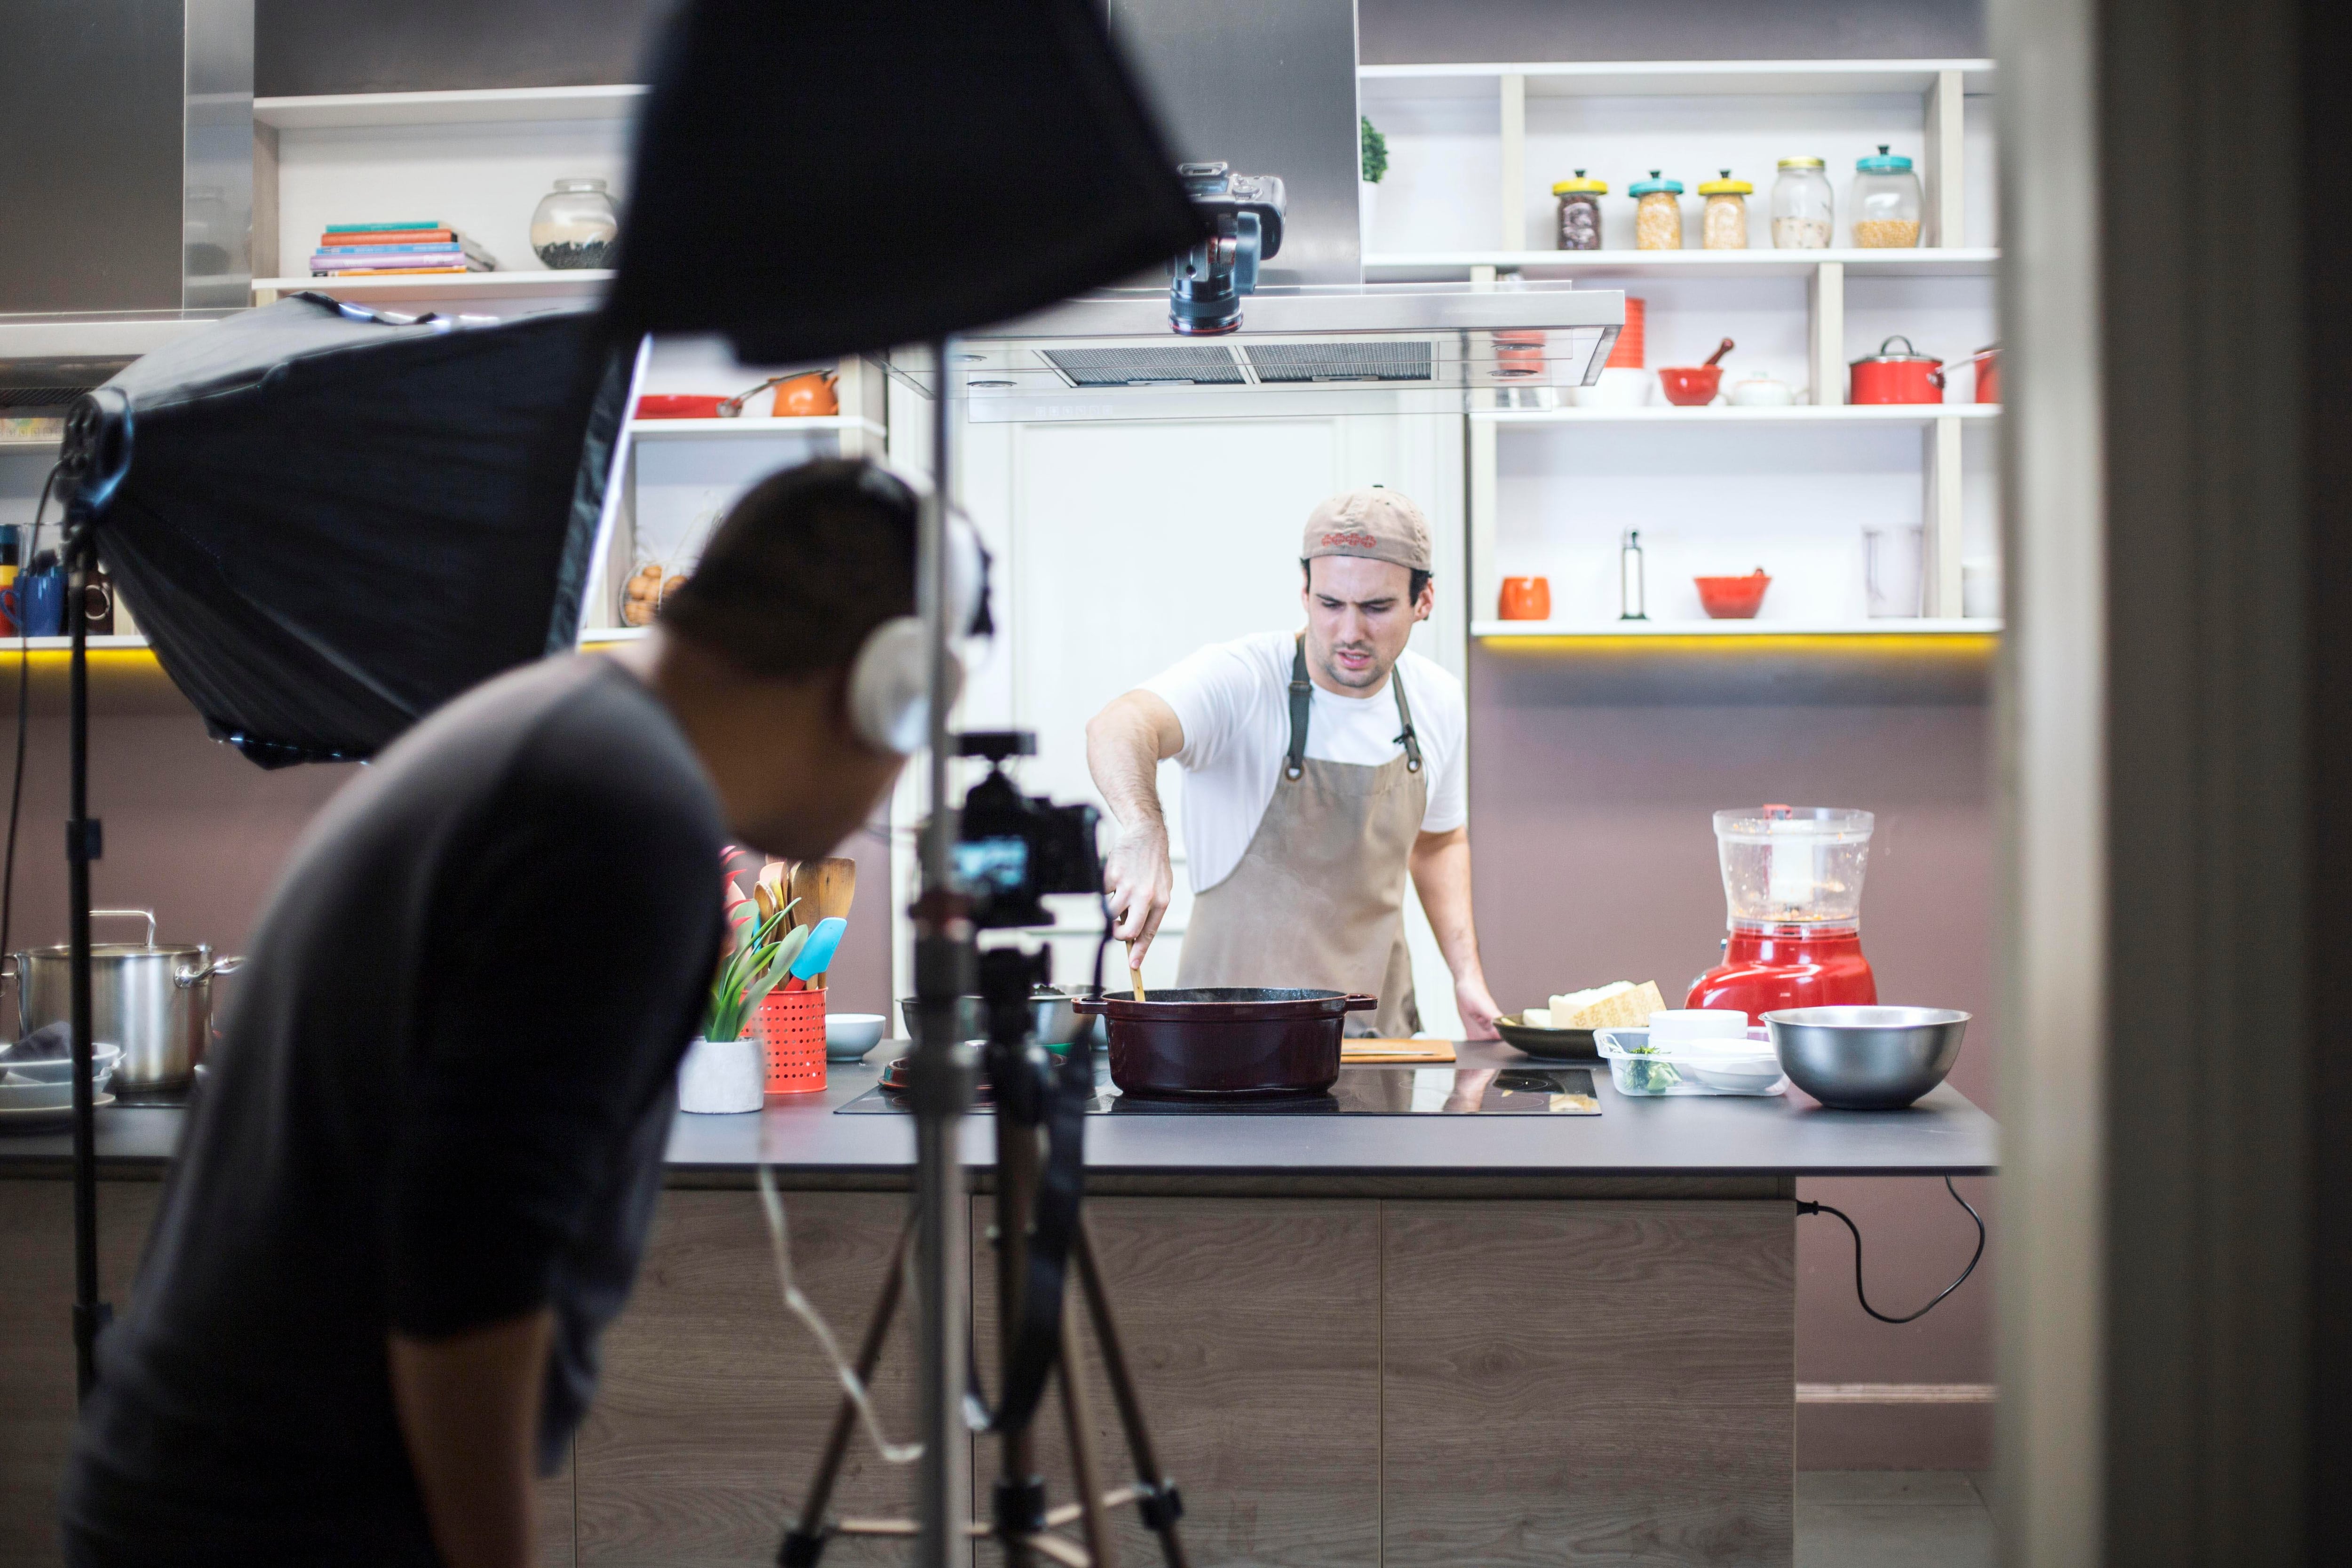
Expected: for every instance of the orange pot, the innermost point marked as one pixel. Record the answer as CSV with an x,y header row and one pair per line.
x,y
805,396
1526,599
790,1025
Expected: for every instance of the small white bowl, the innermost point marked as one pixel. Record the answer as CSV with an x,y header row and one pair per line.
x,y
849,1036
60,1069
24,1094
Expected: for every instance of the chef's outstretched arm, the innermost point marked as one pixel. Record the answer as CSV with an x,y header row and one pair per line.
x,y
1126,743
1441,875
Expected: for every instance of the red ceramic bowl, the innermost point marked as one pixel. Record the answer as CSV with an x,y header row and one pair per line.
x,y
678,405
1692,386
1733,598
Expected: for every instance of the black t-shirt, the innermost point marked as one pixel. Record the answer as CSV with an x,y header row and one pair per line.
x,y
440,1101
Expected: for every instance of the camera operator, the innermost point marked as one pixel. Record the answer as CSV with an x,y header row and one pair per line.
x,y
418,1180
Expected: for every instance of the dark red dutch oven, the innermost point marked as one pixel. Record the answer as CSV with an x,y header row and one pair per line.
x,y
1890,377
1226,1042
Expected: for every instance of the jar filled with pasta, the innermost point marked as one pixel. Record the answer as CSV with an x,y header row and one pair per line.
x,y
1579,211
1802,206
1885,202
1658,214
1723,224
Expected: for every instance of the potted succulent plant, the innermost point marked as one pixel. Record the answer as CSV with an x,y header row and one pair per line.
x,y
725,1069
1375,165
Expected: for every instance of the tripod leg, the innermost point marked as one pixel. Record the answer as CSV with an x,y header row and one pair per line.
x,y
1161,1506
806,1539
1087,1475
1020,1499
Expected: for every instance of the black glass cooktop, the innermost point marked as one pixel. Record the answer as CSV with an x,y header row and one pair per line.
x,y
1360,1091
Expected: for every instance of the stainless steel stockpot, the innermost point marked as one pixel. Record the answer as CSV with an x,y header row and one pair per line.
x,y
156,1002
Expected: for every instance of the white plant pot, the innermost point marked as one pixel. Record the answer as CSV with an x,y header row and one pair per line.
x,y
722,1078
1366,208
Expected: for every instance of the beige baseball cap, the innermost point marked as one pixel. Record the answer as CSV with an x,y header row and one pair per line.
x,y
1376,523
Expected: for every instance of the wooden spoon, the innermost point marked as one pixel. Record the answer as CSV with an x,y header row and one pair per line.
x,y
825,889
1135,974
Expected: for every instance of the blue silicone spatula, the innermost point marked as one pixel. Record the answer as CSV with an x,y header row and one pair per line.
x,y
818,956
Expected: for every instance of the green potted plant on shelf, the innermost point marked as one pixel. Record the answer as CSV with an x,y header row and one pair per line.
x,y
1375,165
725,1071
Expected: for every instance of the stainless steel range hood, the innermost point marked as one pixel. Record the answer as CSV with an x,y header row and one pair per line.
x,y
1400,338
1269,88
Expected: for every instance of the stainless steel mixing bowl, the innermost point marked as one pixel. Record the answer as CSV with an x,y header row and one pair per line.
x,y
1058,1023
1866,1058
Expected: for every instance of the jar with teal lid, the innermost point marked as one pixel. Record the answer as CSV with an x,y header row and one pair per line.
x,y
1886,202
1657,213
1579,211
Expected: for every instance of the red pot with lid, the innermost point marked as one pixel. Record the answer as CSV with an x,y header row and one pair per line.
x,y
1887,376
1226,1042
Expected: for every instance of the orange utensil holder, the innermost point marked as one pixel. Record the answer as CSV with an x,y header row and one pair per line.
x,y
790,1025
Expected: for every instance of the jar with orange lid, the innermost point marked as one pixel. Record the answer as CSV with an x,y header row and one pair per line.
x,y
1658,212
1723,224
1579,211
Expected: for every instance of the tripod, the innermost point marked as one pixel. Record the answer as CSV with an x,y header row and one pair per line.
x,y
1040,1106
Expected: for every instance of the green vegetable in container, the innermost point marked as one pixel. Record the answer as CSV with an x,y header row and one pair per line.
x,y
1650,1078
1376,152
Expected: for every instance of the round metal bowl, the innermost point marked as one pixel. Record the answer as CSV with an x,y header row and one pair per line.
x,y
1056,1019
1866,1058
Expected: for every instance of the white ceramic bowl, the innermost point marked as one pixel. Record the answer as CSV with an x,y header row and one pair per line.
x,y
60,1069
849,1036
24,1094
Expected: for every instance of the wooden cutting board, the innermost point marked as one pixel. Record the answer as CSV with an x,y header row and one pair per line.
x,y
1369,1052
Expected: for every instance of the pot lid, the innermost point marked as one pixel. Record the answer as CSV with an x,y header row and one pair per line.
x,y
1565,187
1802,163
1883,163
1887,354
1726,186
1655,185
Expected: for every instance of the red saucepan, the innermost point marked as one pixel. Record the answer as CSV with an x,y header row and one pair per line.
x,y
1226,1042
1890,377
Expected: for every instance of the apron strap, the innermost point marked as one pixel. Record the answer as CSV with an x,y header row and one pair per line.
x,y
1411,742
1302,693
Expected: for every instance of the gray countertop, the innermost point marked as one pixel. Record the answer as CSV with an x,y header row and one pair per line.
x,y
1943,1134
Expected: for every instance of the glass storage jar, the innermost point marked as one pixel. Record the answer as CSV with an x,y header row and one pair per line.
x,y
1885,202
1802,206
1579,211
1722,223
575,226
1658,214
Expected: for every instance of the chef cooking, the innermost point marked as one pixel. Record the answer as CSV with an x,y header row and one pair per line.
x,y
1320,767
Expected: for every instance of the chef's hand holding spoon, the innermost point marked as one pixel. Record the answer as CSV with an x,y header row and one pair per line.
x,y
1140,882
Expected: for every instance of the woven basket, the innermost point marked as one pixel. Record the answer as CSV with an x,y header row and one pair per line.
x,y
790,1029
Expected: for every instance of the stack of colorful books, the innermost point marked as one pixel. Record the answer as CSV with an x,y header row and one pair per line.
x,y
396,249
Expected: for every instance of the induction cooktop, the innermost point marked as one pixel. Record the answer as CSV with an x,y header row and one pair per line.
x,y
1360,1091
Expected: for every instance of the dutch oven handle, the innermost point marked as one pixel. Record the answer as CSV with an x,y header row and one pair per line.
x,y
1088,1007
226,964
1356,1002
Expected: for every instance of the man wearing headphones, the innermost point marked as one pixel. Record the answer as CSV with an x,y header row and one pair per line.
x,y
417,1183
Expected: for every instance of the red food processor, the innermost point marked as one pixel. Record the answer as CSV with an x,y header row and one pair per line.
x,y
1792,878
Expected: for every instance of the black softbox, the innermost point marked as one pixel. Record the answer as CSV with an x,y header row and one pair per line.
x,y
920,169
329,523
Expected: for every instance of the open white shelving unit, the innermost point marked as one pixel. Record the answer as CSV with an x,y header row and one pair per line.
x,y
577,287
752,428
1472,153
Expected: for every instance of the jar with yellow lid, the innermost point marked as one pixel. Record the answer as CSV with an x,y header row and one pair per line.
x,y
1658,212
1802,206
1723,225
1579,211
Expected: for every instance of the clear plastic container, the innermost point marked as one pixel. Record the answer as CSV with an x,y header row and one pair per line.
x,y
1887,204
1643,1070
1722,223
1579,211
1658,212
575,226
1803,207
1786,866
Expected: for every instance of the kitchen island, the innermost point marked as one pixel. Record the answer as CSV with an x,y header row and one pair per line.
x,y
1360,1339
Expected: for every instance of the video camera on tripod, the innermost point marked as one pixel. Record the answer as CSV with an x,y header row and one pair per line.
x,y
1011,852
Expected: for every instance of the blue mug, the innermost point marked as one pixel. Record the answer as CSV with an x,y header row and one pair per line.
x,y
36,601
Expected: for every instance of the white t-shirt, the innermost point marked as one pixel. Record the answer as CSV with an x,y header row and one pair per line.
x,y
1233,700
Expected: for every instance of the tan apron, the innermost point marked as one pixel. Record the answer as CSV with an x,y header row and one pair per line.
x,y
1318,898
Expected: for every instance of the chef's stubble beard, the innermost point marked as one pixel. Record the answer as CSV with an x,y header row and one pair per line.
x,y
1373,677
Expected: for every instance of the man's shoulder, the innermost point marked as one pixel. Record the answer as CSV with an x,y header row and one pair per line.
x,y
1428,682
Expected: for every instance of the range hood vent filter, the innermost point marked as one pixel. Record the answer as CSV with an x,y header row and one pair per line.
x,y
1276,363
1196,364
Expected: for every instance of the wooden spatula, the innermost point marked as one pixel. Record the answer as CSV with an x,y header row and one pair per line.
x,y
825,889
1135,974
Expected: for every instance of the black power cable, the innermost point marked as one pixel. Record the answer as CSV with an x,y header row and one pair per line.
x,y
23,702
1804,1209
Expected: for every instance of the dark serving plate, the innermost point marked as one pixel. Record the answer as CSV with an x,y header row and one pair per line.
x,y
1551,1045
